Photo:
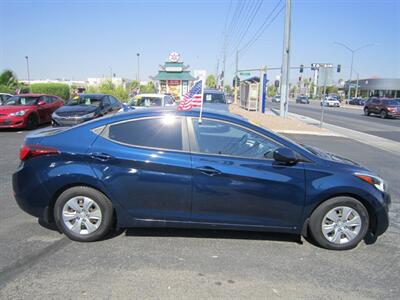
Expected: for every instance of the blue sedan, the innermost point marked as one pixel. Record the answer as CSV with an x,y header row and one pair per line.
x,y
166,168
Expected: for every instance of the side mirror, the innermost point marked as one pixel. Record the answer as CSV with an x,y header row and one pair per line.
x,y
41,103
285,156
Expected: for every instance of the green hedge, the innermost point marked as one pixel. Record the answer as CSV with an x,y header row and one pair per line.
x,y
58,89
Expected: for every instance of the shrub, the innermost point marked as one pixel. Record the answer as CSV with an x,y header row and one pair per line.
x,y
57,89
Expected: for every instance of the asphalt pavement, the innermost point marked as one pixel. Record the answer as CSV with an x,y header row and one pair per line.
x,y
37,263
351,118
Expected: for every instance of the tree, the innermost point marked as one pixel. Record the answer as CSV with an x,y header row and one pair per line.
x,y
228,89
271,91
8,82
134,84
210,82
148,88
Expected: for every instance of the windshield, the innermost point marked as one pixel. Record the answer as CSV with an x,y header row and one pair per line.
x,y
214,98
85,100
145,101
392,102
19,100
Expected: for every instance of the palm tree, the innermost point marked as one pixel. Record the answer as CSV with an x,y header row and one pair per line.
x,y
8,82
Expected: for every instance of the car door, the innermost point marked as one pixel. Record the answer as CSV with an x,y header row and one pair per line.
x,y
43,109
145,165
106,105
236,181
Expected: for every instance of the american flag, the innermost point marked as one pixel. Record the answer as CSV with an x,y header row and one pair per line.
x,y
193,98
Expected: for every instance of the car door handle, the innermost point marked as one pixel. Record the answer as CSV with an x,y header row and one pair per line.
x,y
101,156
210,171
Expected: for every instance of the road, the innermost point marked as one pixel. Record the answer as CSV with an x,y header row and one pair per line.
x,y
38,263
351,118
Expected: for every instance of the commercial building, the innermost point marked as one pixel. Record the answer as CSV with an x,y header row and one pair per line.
x,y
378,87
174,77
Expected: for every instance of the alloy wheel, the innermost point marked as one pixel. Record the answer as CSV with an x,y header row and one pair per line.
x,y
341,225
81,215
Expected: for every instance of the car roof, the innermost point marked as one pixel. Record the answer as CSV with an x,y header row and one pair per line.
x,y
33,95
213,91
150,95
93,95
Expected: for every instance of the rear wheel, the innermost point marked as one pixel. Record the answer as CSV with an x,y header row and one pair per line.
x,y
383,114
339,223
83,214
366,111
32,122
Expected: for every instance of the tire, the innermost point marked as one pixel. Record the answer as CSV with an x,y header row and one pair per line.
x,y
32,122
366,112
383,114
339,235
71,218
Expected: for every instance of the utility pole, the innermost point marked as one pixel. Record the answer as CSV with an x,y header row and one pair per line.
x,y
286,61
138,68
27,69
236,76
223,71
217,74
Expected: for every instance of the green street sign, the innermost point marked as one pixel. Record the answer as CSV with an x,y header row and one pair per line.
x,y
244,73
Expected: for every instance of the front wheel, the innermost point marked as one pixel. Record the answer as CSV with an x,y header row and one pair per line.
x,y
32,122
339,223
83,214
366,111
383,114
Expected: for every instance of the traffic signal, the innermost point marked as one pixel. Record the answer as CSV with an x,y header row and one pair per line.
x,y
301,68
276,83
338,68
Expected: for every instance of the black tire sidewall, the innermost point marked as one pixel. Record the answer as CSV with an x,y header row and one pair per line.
x,y
383,114
101,200
324,208
32,122
366,111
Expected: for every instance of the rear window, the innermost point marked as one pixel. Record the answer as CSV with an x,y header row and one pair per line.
x,y
214,98
162,133
85,100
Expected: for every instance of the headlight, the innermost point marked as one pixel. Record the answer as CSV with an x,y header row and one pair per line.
x,y
91,115
18,113
376,181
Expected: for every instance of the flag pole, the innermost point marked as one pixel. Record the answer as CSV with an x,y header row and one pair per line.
x,y
202,100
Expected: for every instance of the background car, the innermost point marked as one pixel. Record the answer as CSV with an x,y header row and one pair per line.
x,y
84,108
215,99
302,100
151,100
357,101
330,101
28,110
382,107
157,167
276,99
4,97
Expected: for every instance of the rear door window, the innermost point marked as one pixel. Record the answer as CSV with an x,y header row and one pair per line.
x,y
159,133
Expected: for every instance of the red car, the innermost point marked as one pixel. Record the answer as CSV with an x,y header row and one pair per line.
x,y
28,110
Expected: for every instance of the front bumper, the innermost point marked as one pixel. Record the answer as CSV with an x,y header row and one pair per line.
x,y
12,122
382,216
68,121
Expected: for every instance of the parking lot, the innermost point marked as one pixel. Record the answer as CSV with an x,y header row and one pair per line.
x,y
36,262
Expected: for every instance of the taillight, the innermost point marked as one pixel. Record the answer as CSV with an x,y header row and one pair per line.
x,y
30,151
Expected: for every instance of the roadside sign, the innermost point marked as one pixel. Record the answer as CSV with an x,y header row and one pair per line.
x,y
244,73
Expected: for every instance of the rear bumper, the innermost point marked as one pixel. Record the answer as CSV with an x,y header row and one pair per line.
x,y
30,194
393,114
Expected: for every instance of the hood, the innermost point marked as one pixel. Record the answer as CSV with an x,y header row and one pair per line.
x,y
75,110
8,109
330,156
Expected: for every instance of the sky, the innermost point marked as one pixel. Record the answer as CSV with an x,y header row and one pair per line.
x,y
81,39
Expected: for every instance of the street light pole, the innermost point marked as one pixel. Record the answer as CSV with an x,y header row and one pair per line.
x,y
27,69
352,59
138,66
286,61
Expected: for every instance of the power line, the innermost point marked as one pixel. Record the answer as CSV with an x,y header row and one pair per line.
x,y
263,27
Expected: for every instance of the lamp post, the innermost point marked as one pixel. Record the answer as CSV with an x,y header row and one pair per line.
x,y
27,69
138,65
352,58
